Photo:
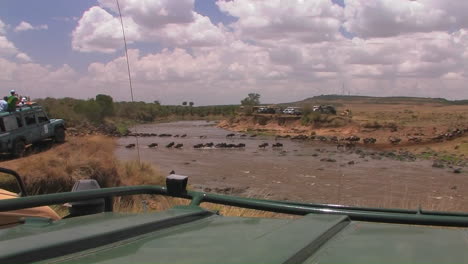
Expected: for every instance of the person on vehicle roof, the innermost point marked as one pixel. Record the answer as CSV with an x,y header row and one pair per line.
x,y
4,104
12,101
22,101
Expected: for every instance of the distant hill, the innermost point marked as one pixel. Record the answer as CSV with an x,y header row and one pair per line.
x,y
350,99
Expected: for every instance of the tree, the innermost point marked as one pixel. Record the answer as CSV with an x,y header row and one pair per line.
x,y
184,103
106,104
191,103
251,100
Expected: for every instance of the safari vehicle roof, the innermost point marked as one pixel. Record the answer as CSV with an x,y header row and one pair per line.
x,y
22,109
191,234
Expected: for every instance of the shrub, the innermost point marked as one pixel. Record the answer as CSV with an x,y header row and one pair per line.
x,y
56,170
261,120
373,124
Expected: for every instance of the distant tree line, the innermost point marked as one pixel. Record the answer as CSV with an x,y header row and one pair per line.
x,y
101,108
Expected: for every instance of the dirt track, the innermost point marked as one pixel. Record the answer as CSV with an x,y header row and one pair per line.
x,y
301,170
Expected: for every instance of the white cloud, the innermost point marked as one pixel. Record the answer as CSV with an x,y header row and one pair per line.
x,y
418,55
2,27
25,26
172,23
6,74
201,32
65,19
386,18
99,31
7,48
23,57
39,81
401,65
285,50
305,21
154,13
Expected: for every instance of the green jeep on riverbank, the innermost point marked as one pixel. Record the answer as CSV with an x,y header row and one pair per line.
x,y
28,125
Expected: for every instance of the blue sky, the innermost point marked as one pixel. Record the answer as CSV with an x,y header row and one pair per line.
x,y
285,50
53,46
50,46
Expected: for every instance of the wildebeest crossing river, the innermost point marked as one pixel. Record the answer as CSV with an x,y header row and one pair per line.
x,y
300,170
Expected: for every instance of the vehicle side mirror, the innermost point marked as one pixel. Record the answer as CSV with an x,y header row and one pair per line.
x,y
86,207
11,181
176,184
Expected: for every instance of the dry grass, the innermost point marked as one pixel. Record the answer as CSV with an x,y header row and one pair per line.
x,y
57,169
144,203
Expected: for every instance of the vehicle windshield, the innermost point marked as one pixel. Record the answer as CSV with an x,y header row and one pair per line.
x,y
352,102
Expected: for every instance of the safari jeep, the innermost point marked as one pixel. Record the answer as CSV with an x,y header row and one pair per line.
x,y
28,125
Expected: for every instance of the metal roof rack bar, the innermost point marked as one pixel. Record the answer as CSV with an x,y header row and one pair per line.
x,y
416,217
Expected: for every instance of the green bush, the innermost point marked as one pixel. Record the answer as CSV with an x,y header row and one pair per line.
x,y
312,118
103,109
261,120
373,124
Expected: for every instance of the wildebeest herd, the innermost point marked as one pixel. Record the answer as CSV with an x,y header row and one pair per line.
x,y
345,143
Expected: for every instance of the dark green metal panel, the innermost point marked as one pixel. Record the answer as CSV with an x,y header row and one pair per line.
x,y
190,234
311,239
389,243
33,242
223,240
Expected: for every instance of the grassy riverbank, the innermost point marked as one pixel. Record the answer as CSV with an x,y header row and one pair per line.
x,y
92,157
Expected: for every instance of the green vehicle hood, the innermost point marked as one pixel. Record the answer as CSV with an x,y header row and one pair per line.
x,y
192,235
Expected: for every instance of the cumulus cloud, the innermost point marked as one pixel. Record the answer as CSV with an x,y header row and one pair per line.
x,y
285,50
375,66
170,23
2,27
387,18
305,21
37,80
65,19
7,48
200,32
419,55
25,26
99,31
154,13
23,57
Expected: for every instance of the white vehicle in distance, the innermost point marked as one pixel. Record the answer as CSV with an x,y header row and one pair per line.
x,y
292,111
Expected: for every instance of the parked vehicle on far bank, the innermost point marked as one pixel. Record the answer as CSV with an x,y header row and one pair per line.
x,y
324,109
292,111
266,110
28,125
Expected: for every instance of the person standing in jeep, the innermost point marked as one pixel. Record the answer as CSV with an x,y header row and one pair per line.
x,y
4,104
12,100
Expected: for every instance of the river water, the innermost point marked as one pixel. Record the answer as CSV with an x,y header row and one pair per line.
x,y
301,170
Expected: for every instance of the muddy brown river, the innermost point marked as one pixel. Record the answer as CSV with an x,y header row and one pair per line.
x,y
301,170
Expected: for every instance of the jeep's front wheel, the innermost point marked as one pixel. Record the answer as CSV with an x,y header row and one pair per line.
x,y
18,149
59,135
